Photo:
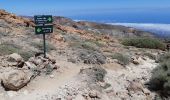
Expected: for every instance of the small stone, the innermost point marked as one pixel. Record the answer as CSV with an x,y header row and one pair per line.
x,y
102,84
51,76
93,94
30,65
79,97
71,60
11,93
146,91
144,58
31,59
12,63
25,92
115,60
53,61
20,64
135,62
69,97
37,62
56,66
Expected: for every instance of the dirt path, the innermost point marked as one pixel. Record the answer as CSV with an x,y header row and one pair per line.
x,y
43,85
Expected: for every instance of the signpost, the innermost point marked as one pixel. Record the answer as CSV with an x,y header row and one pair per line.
x,y
43,27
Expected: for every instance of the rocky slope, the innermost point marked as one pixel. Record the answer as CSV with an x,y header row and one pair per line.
x,y
80,64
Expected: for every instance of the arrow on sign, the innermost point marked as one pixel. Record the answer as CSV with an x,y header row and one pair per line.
x,y
38,30
49,19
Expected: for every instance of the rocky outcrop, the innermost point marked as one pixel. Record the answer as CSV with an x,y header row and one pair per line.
x,y
41,65
18,72
15,20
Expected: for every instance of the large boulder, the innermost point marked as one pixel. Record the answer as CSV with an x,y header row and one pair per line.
x,y
15,79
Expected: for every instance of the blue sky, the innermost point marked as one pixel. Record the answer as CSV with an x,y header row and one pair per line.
x,y
80,7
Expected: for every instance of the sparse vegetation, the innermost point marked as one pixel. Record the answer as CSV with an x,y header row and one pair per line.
x,y
9,48
91,57
88,45
99,73
160,80
150,43
123,59
96,73
99,43
163,57
27,54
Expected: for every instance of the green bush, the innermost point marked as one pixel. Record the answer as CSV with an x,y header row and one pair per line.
x,y
27,54
123,59
160,80
97,42
150,43
9,48
163,57
88,45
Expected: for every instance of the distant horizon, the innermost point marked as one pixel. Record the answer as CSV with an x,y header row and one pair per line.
x,y
78,7
129,11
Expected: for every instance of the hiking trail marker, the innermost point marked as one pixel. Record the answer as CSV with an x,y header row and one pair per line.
x,y
43,26
43,19
43,29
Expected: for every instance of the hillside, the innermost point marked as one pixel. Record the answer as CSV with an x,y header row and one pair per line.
x,y
85,61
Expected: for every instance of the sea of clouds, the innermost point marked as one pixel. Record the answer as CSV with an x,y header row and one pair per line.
x,y
162,30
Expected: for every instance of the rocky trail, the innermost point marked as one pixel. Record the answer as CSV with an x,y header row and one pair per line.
x,y
129,83
54,86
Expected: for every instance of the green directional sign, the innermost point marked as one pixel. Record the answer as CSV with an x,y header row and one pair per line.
x,y
43,26
44,29
43,19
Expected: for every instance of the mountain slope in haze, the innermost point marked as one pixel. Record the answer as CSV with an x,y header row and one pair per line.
x,y
113,30
159,30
